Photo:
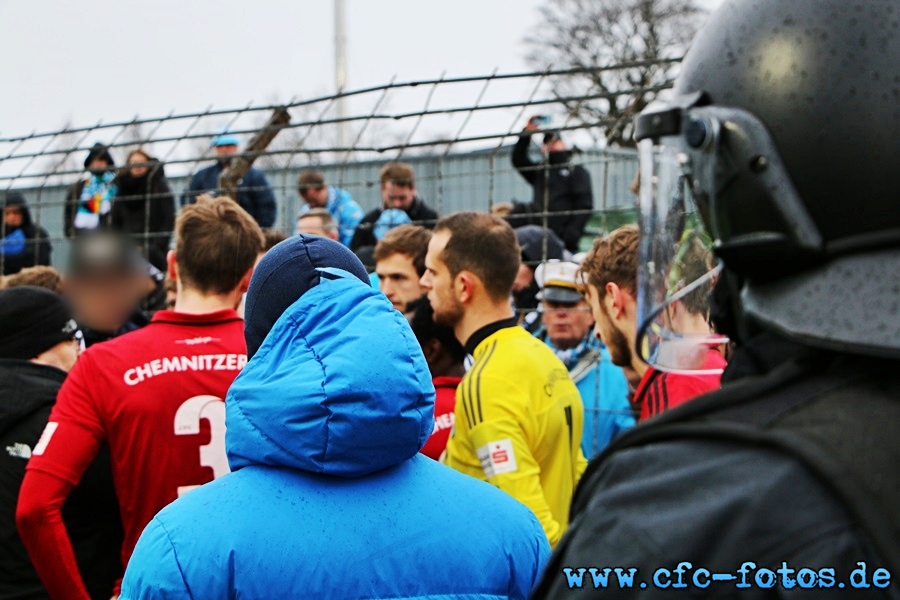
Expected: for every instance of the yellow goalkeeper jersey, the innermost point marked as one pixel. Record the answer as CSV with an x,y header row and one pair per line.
x,y
518,423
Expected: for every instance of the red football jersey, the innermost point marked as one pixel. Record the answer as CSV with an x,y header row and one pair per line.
x,y
444,403
659,391
156,396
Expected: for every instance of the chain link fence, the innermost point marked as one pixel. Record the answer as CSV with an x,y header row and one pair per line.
x,y
457,133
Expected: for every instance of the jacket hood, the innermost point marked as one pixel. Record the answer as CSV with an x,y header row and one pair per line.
x,y
99,150
17,199
339,386
24,389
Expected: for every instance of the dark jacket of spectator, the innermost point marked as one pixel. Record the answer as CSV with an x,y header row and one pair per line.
x,y
91,514
419,213
254,192
145,209
25,246
568,188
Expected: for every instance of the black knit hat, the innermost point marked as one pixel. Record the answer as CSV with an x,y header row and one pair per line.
x,y
33,320
98,150
284,274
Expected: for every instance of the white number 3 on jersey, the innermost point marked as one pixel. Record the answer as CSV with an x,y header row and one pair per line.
x,y
187,422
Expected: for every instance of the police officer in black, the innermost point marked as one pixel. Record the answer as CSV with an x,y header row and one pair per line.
x,y
779,146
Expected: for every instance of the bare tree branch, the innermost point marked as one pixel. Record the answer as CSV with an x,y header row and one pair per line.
x,y
602,33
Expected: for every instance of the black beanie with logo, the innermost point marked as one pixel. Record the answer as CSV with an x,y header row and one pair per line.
x,y
32,320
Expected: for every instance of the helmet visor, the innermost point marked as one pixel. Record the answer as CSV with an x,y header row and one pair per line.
x,y
676,268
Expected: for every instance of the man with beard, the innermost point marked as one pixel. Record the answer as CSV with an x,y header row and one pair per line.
x,y
254,193
611,271
518,415
562,190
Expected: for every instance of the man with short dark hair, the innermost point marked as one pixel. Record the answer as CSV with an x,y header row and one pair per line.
x,y
398,194
519,417
338,202
317,221
611,270
154,395
39,345
400,263
254,193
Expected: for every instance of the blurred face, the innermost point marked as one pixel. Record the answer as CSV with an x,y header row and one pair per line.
x,y
315,197
398,280
12,217
312,225
523,279
607,331
98,165
104,302
567,324
397,196
226,151
554,146
440,285
137,159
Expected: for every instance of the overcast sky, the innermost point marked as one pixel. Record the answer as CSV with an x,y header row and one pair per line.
x,y
112,59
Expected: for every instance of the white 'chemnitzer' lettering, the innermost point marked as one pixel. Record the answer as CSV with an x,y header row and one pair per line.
x,y
200,362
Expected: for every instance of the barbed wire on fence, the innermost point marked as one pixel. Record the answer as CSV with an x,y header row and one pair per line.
x,y
456,131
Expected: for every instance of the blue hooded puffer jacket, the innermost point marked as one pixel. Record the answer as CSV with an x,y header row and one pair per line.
x,y
329,497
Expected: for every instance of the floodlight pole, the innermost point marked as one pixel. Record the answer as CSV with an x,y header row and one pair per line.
x,y
340,68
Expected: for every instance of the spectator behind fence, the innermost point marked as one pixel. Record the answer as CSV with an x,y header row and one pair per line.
x,y
22,243
105,281
400,263
560,188
144,207
398,194
324,429
317,221
39,344
339,203
445,357
538,245
89,201
611,271
154,395
41,276
520,418
784,482
568,330
254,193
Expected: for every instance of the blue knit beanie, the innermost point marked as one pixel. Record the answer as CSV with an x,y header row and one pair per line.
x,y
284,274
